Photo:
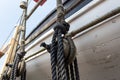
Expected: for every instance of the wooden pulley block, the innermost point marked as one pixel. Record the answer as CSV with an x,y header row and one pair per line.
x,y
21,67
69,50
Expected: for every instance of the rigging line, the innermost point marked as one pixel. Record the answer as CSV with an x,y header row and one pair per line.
x,y
19,19
8,36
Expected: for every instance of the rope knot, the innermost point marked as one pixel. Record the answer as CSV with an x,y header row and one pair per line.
x,y
21,55
64,27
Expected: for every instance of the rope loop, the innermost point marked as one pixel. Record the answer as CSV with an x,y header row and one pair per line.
x,y
63,54
21,55
63,26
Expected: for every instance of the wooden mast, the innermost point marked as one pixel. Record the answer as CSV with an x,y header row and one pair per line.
x,y
10,53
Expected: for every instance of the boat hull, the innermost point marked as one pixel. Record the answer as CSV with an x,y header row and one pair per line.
x,y
98,47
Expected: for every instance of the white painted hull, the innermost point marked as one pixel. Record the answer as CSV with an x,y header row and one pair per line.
x,y
98,53
98,48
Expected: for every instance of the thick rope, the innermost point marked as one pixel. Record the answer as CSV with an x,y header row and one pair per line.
x,y
61,70
68,72
72,71
57,57
23,75
76,69
14,68
53,57
61,58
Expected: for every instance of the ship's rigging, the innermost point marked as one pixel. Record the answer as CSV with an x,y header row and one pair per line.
x,y
63,61
95,31
64,68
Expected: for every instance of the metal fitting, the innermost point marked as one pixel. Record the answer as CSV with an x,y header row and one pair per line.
x,y
22,28
69,50
23,5
21,67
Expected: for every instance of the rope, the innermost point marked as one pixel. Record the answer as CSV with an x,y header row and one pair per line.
x,y
4,76
14,68
53,57
68,72
61,58
18,57
23,76
58,65
76,69
19,20
60,69
72,72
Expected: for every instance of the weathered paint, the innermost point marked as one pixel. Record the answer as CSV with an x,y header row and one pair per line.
x,y
98,49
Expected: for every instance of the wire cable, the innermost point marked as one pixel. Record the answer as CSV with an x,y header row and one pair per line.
x,y
18,21
8,37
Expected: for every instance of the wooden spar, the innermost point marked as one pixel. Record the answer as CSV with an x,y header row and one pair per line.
x,y
11,52
12,48
51,22
3,51
34,8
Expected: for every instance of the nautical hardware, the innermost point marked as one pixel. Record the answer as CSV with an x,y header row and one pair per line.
x,y
23,5
6,74
57,55
69,49
11,52
46,46
19,68
62,50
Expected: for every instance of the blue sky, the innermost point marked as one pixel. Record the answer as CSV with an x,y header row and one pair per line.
x,y
10,12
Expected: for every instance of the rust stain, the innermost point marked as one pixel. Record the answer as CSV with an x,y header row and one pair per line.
x,y
113,79
104,60
110,67
114,21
